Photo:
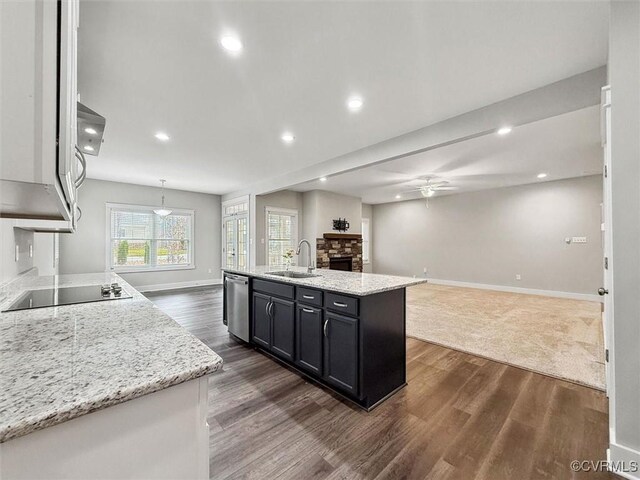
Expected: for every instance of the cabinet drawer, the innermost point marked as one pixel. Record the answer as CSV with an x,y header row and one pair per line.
x,y
309,296
273,288
342,304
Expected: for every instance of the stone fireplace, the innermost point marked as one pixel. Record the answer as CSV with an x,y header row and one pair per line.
x,y
339,251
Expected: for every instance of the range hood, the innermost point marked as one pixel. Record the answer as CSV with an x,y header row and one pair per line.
x,y
90,130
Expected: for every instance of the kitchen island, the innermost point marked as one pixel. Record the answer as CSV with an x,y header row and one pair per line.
x,y
111,389
344,330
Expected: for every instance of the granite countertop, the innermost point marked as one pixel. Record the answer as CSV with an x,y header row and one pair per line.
x,y
349,283
58,363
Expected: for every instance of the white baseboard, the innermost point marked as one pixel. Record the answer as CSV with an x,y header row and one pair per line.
x,y
623,461
528,291
178,285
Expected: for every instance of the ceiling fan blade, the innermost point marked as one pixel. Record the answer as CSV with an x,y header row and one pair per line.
x,y
445,188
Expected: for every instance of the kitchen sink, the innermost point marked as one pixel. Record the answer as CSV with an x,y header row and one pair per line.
x,y
293,274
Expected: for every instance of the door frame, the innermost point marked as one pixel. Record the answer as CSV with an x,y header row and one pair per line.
x,y
607,313
224,217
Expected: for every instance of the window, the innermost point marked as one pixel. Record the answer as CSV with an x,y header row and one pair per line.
x,y
139,240
282,234
236,209
366,243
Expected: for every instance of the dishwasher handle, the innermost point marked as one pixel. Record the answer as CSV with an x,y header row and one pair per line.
x,y
236,279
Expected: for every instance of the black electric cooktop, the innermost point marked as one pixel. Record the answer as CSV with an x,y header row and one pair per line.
x,y
53,297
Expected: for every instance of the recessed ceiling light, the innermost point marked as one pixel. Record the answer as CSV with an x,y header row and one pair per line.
x,y
162,136
504,130
231,43
542,175
398,197
355,103
323,179
287,137
88,148
90,131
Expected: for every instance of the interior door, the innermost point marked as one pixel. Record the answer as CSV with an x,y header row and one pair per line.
x,y
607,286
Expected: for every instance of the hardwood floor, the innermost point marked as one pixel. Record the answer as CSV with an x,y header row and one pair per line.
x,y
460,417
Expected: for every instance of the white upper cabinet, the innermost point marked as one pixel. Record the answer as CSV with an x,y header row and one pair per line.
x,y
39,167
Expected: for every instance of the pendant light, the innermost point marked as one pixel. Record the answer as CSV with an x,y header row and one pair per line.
x,y
162,211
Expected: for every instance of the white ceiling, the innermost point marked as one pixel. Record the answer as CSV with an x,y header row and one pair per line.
x,y
565,146
157,66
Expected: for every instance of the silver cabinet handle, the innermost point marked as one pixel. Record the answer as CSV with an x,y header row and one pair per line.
x,y
266,309
341,305
324,329
83,161
271,309
307,310
308,297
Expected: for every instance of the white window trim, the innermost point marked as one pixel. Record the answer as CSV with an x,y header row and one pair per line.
x,y
276,210
368,222
129,269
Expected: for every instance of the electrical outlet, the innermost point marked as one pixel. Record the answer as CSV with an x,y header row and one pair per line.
x,y
424,272
209,270
518,276
579,240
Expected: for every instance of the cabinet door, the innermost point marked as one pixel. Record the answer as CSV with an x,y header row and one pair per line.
x,y
341,352
283,328
261,320
68,101
309,339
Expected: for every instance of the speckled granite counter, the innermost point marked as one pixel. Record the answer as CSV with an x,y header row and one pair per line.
x,y
350,283
59,363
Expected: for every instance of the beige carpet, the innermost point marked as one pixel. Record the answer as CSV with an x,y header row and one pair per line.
x,y
554,336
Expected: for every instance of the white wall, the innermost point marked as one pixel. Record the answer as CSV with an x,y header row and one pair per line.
x,y
85,250
321,208
367,212
490,236
9,238
44,252
282,199
624,73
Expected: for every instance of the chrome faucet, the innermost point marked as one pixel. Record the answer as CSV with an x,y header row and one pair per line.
x,y
310,266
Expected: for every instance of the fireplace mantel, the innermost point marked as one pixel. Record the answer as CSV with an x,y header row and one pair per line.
x,y
342,236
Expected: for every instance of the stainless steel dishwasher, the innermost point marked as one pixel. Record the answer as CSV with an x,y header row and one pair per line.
x,y
237,305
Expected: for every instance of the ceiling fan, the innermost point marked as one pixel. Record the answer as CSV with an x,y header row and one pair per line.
x,y
433,185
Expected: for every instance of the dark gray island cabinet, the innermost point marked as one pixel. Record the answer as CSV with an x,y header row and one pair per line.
x,y
353,344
